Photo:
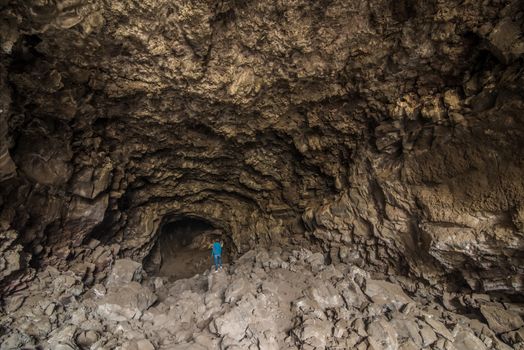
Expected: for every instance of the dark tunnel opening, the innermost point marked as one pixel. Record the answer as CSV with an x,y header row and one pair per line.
x,y
183,248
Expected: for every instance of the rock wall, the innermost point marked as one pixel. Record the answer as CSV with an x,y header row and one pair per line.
x,y
389,134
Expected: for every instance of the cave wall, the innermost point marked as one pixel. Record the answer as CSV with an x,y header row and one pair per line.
x,y
389,134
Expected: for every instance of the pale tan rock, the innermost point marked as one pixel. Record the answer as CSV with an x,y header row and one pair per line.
x,y
124,271
501,320
381,335
385,293
126,302
87,338
408,345
428,336
438,327
408,329
467,341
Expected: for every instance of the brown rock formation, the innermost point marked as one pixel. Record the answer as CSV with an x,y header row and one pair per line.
x,y
390,134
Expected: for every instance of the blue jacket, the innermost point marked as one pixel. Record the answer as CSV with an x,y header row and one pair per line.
x,y
217,249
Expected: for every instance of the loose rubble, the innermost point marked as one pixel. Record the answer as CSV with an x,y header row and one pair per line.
x,y
281,299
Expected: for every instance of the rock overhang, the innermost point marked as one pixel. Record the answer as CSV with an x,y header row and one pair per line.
x,y
393,126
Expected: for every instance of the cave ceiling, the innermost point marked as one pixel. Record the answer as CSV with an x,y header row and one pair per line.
x,y
389,133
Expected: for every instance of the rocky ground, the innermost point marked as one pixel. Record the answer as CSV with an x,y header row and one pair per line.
x,y
277,299
385,137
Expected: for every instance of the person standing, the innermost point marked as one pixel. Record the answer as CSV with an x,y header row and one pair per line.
x,y
216,254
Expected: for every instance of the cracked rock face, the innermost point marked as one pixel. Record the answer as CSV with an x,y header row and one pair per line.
x,y
277,299
388,135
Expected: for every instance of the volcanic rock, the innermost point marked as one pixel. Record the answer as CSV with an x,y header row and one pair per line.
x,y
361,162
501,320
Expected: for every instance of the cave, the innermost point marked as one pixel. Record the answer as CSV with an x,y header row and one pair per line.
x,y
361,161
182,248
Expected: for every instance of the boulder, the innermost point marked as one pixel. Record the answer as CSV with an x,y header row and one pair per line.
x,y
514,336
438,327
11,256
124,271
125,302
233,324
382,335
238,288
428,335
466,340
325,295
15,340
407,329
87,338
315,332
387,294
501,320
63,339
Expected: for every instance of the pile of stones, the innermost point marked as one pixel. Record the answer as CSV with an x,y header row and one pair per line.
x,y
276,299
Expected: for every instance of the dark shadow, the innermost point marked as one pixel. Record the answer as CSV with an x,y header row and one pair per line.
x,y
403,10
183,248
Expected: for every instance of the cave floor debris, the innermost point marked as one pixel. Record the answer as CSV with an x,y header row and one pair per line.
x,y
277,299
185,264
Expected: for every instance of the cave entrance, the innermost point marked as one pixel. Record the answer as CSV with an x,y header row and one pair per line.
x,y
182,248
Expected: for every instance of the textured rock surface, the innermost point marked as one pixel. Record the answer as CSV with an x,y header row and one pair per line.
x,y
388,134
265,301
